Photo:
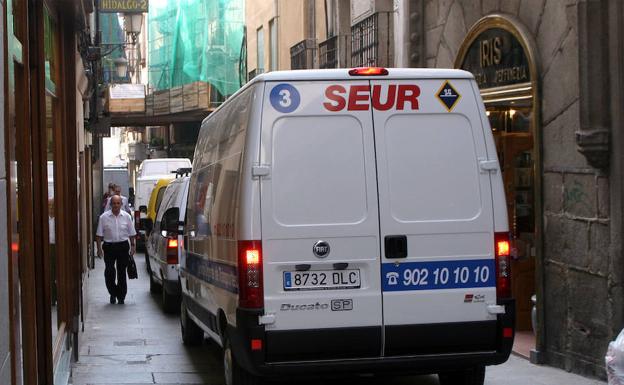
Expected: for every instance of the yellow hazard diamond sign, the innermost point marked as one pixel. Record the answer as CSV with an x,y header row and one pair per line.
x,y
448,96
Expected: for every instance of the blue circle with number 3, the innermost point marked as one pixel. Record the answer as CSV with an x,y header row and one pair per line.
x,y
285,98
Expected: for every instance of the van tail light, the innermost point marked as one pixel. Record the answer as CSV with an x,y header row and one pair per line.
x,y
137,220
502,247
172,251
368,71
250,290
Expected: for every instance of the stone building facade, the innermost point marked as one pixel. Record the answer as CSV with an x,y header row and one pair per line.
x,y
577,162
283,35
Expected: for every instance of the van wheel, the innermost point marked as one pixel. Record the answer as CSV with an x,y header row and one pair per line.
x,y
192,335
233,373
474,376
154,286
147,265
171,302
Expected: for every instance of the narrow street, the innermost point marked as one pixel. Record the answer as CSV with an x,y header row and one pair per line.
x,y
137,343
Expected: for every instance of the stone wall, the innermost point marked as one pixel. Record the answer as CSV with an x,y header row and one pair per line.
x,y
578,303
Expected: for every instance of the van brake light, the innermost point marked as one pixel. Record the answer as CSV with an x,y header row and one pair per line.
x,y
502,247
503,265
172,251
250,290
252,257
137,220
368,71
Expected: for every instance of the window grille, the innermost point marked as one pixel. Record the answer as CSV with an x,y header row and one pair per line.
x,y
328,53
302,55
364,42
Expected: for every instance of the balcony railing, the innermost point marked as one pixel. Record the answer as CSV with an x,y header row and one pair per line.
x,y
302,55
254,72
365,43
328,53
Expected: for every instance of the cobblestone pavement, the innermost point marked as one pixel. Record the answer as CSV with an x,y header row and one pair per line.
x,y
137,343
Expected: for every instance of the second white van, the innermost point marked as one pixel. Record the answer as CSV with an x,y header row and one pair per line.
x,y
150,172
164,243
349,221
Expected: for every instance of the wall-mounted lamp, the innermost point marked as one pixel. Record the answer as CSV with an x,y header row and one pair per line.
x,y
121,66
132,25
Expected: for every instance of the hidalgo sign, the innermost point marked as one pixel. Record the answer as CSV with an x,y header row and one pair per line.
x,y
124,6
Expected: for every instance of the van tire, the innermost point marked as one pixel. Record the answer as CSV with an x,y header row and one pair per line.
x,y
155,288
192,335
473,376
171,302
232,371
147,264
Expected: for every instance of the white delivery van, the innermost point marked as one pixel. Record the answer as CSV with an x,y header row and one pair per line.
x,y
150,172
164,243
349,221
118,176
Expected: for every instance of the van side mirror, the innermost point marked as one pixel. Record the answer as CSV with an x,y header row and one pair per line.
x,y
170,220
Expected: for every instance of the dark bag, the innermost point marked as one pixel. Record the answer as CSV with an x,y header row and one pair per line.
x,y
132,270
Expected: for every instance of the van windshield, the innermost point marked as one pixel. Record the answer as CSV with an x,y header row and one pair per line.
x,y
161,168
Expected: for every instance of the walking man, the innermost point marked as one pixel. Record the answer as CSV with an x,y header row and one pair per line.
x,y
107,195
124,201
116,229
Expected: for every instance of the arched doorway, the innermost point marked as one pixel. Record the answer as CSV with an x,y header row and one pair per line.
x,y
500,53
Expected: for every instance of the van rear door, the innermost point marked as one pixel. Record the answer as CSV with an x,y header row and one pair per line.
x,y
436,223
320,224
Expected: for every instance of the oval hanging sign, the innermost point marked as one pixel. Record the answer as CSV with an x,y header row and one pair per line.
x,y
496,58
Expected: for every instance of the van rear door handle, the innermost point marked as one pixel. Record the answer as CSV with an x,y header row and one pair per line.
x,y
396,246
488,165
260,170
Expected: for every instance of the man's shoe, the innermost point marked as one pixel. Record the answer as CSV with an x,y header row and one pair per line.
x,y
121,301
112,299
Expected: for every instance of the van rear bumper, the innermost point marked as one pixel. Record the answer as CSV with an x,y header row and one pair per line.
x,y
421,364
462,350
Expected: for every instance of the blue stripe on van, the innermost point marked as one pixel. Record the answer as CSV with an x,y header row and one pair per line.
x,y
437,275
220,274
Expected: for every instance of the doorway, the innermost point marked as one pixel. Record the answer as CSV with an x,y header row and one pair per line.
x,y
511,122
500,52
511,127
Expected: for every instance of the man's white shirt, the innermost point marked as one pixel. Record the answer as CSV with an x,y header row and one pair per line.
x,y
115,228
124,204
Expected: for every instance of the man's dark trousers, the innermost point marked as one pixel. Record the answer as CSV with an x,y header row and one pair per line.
x,y
116,254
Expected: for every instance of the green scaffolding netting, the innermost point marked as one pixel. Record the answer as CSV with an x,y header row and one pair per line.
x,y
196,40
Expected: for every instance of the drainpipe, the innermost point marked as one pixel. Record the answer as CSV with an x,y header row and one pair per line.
x,y
309,16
